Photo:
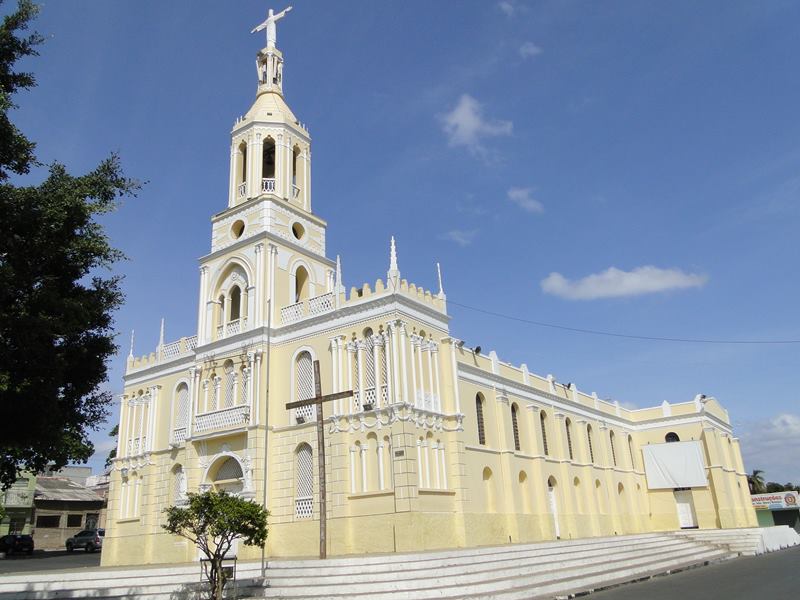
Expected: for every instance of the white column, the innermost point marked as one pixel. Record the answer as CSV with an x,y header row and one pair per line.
x,y
420,480
280,160
414,393
257,161
350,351
193,393
307,182
123,500
380,465
435,448
120,433
352,469
454,367
256,383
258,319
232,177
403,350
250,400
273,257
435,351
201,307
130,412
217,395
335,373
361,375
251,189
431,389
251,309
152,415
421,401
376,365
388,356
141,410
444,466
206,384
364,487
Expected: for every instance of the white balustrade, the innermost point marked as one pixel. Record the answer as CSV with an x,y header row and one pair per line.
x,y
136,445
220,329
242,189
179,435
292,313
234,416
268,184
384,395
369,397
191,342
171,350
295,191
234,327
321,304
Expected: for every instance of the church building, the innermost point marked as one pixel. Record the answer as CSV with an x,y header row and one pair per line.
x,y
439,445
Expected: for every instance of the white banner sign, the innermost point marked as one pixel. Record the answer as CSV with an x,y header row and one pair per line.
x,y
776,501
675,465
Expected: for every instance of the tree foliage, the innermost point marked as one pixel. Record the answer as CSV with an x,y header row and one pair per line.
x,y
212,521
56,295
756,482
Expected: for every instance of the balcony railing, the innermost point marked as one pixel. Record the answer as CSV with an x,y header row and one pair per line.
x,y
177,349
227,418
242,189
179,436
231,328
303,508
314,306
268,184
137,445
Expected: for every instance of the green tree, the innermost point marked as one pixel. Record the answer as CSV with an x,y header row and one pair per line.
x,y
112,454
212,521
773,487
56,294
756,482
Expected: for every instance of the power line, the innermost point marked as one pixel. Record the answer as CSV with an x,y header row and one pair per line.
x,y
651,338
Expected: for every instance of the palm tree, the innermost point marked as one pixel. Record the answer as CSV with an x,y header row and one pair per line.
x,y
756,482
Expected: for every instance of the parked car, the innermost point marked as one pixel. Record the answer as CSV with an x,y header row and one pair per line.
x,y
88,539
16,543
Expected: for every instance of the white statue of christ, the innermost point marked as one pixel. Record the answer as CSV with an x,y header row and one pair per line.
x,y
269,25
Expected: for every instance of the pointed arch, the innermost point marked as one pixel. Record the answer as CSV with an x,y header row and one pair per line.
x,y
479,401
515,425
568,428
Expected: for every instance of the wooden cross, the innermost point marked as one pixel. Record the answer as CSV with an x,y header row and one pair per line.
x,y
317,401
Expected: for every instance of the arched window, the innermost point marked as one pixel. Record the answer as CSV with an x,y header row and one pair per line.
x,y
235,303
568,427
630,450
304,386
241,170
230,385
613,449
589,440
479,416
304,488
300,284
295,160
268,166
515,426
543,425
229,476
671,437
181,407
178,485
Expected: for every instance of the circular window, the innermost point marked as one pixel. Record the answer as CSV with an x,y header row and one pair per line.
x,y
237,229
298,231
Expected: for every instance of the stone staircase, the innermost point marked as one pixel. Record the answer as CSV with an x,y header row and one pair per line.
x,y
745,541
521,571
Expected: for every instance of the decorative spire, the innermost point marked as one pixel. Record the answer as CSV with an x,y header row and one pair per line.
x,y
133,337
338,287
441,288
269,61
393,274
161,334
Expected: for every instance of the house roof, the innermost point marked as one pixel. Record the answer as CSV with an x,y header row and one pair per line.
x,y
58,488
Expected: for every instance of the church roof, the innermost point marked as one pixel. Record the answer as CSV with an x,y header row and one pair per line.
x,y
270,106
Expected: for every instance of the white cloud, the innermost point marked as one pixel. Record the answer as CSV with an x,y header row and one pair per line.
x,y
773,447
507,7
459,236
466,126
529,50
522,198
615,283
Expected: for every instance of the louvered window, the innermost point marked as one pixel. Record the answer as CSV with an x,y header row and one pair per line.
x,y
613,450
515,426
304,386
479,415
304,491
542,419
568,425
589,439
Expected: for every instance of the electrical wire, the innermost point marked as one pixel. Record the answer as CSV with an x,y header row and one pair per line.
x,y
651,338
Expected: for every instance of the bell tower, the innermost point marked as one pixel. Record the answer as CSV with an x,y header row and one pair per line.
x,y
270,148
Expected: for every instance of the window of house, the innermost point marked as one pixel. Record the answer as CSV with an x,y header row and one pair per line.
x,y
45,521
74,520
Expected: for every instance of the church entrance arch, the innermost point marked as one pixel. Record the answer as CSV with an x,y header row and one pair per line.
x,y
226,474
552,502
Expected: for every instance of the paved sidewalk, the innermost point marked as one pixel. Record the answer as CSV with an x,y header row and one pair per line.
x,y
51,560
775,575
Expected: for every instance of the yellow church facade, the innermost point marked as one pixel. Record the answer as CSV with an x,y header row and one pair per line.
x,y
440,446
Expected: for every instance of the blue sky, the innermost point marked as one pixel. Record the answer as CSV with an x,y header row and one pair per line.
x,y
622,166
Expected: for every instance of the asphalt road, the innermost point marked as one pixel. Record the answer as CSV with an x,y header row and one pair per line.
x,y
775,575
49,561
